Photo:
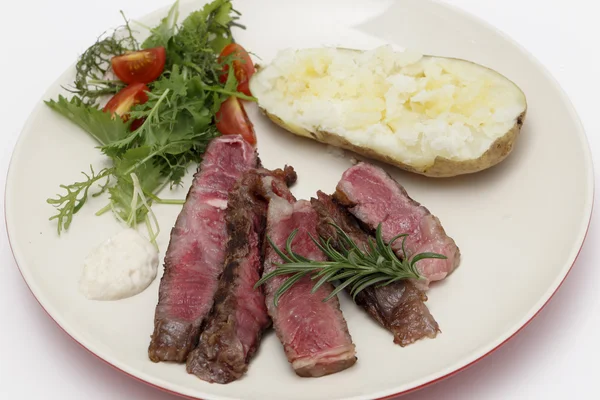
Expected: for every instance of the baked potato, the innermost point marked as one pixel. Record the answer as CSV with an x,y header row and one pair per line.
x,y
434,116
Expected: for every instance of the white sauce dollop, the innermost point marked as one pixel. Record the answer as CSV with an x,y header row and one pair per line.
x,y
121,267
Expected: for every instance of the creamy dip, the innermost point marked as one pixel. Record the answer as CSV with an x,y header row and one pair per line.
x,y
121,267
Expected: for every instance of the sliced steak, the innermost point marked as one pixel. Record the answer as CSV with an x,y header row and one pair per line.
x,y
314,333
233,330
398,307
194,258
374,197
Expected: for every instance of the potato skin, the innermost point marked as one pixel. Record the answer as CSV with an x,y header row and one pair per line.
x,y
441,167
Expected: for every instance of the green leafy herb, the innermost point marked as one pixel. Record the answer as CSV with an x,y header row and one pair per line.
x,y
77,194
177,121
138,161
100,125
200,37
91,79
161,34
178,124
355,268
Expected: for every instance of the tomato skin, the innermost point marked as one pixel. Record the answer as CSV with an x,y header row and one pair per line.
x,y
142,66
244,87
121,103
136,124
233,120
243,68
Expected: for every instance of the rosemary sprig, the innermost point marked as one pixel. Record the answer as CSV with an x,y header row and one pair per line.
x,y
354,268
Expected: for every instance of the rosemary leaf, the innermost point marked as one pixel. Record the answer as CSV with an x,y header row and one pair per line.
x,y
368,281
288,284
353,268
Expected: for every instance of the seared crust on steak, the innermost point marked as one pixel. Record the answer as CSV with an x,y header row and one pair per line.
x,y
233,330
398,307
194,258
239,316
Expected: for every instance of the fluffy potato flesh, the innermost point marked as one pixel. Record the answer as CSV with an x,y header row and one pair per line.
x,y
404,108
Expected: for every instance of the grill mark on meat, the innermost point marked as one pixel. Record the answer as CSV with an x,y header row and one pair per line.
x,y
398,307
222,355
314,333
275,184
287,175
234,329
194,258
374,197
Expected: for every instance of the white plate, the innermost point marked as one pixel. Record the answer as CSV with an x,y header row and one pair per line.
x,y
519,225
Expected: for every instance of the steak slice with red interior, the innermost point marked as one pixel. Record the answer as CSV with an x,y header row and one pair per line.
x,y
398,307
196,251
234,328
314,333
374,197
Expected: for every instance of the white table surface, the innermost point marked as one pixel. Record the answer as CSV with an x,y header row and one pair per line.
x,y
555,357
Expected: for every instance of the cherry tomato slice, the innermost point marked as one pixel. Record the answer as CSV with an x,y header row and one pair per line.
x,y
121,103
243,68
233,120
141,66
136,124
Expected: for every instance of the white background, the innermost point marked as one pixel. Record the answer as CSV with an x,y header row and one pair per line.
x,y
555,357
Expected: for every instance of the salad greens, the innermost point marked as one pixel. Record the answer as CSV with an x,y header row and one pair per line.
x,y
94,64
174,126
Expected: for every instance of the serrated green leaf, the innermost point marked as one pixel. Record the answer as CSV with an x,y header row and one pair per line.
x,y
162,34
100,125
